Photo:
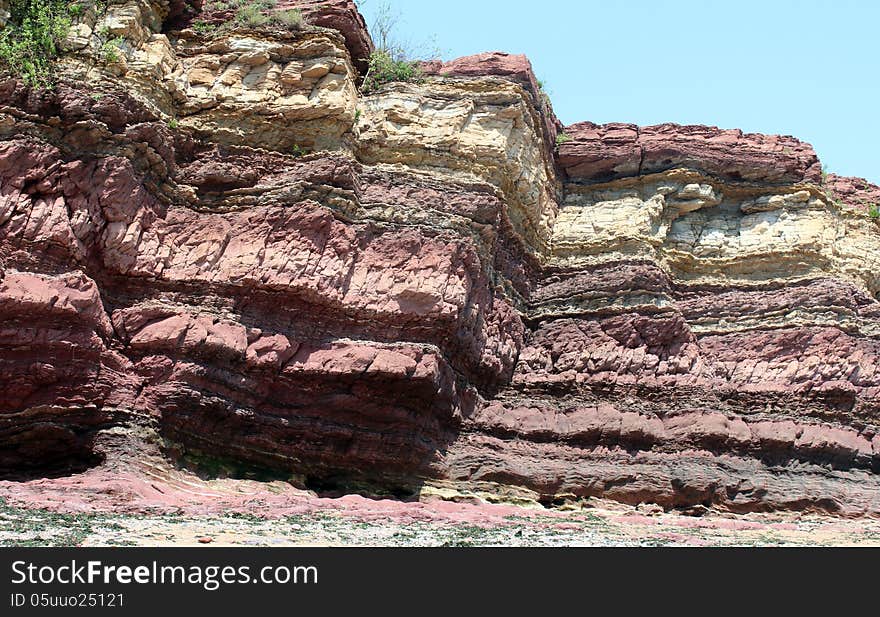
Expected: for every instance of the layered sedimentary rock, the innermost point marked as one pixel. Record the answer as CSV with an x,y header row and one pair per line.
x,y
217,233
605,152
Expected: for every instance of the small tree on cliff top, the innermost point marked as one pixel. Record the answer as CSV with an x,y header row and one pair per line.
x,y
394,59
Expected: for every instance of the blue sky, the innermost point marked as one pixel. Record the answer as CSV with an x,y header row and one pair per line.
x,y
809,69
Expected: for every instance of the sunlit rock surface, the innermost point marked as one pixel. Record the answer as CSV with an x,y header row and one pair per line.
x,y
215,235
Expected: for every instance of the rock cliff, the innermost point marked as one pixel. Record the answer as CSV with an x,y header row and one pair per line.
x,y
211,230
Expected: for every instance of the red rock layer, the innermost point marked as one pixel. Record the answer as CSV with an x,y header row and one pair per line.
x,y
855,192
340,15
61,381
287,331
636,405
516,67
604,152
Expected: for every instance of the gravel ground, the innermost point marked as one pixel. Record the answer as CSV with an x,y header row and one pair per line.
x,y
22,526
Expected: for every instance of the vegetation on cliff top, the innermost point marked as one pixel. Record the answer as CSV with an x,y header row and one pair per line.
x,y
30,41
250,13
383,68
394,59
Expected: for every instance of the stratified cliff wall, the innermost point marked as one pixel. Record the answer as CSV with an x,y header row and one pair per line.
x,y
215,232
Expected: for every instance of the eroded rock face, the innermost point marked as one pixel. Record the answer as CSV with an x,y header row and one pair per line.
x,y
604,152
61,380
217,234
853,192
245,89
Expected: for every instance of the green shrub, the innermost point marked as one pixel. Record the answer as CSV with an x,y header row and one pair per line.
x,y
291,18
874,211
223,5
29,43
251,15
544,100
110,50
383,69
562,138
203,27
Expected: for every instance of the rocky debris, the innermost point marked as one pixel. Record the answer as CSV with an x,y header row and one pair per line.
x,y
152,505
230,244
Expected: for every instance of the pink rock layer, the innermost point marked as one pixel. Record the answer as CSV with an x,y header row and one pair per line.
x,y
855,192
255,309
596,153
